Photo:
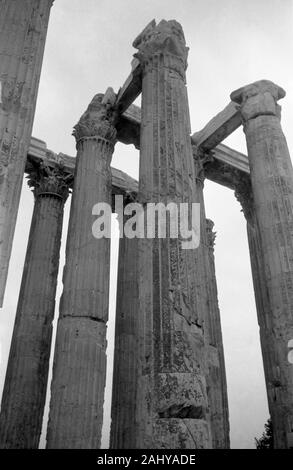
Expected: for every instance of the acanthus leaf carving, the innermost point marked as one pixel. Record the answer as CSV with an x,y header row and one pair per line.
x,y
50,180
98,120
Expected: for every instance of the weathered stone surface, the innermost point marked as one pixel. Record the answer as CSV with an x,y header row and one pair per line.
x,y
23,28
76,408
216,376
180,433
271,243
77,391
218,128
171,339
25,386
207,303
123,426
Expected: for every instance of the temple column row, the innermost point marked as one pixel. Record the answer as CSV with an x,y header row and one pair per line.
x,y
25,386
23,29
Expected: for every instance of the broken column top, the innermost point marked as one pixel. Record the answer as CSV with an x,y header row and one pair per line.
x,y
166,37
98,119
258,98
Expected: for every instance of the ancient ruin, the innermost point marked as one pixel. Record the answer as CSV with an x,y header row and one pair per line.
x,y
169,381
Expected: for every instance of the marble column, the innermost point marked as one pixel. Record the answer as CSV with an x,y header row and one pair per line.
x,y
172,406
207,296
79,371
216,376
123,425
23,29
272,192
25,386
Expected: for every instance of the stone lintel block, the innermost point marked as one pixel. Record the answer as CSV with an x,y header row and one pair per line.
x,y
76,412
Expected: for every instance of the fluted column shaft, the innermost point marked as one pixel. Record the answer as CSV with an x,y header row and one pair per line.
x,y
23,29
216,375
123,425
172,408
79,371
25,386
266,332
272,191
207,302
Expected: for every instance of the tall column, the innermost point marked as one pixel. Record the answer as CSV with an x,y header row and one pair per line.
x,y
272,191
172,406
123,425
79,371
216,376
207,296
23,29
25,386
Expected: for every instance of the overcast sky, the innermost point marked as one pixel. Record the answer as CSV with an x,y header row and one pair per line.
x,y
232,43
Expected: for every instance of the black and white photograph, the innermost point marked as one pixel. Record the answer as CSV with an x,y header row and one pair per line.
x,y
146,228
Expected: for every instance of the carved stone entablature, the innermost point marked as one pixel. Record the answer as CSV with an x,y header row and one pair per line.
x,y
98,119
211,235
167,39
243,194
201,158
49,181
258,99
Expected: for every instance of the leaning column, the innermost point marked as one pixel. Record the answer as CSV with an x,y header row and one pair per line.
x,y
25,386
23,29
79,371
272,191
172,407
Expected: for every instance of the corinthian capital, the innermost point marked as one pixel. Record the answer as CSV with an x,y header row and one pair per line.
x,y
48,180
258,98
98,119
166,38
